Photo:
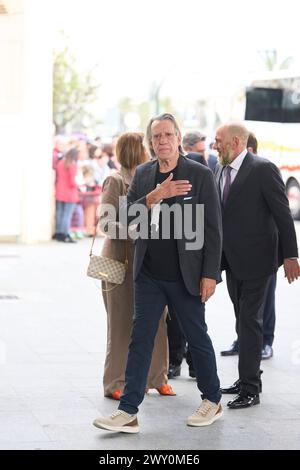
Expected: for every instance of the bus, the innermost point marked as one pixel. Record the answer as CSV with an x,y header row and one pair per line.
x,y
273,114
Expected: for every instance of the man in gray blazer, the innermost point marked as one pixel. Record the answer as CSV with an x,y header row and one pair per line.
x,y
176,269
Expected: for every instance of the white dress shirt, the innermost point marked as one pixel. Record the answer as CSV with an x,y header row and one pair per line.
x,y
235,165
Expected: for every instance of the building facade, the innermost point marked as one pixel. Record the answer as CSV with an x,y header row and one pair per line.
x,y
26,176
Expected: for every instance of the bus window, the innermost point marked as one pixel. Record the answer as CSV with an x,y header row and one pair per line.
x,y
264,104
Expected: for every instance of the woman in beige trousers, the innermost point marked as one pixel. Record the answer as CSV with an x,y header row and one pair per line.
x,y
118,299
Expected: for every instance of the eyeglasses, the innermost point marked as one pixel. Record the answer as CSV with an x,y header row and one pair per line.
x,y
166,135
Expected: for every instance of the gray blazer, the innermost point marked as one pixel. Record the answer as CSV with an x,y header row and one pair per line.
x,y
194,264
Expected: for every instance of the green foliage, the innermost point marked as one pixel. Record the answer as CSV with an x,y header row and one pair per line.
x,y
73,92
271,60
145,109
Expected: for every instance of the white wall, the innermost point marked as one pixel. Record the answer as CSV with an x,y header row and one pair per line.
x,y
26,179
11,108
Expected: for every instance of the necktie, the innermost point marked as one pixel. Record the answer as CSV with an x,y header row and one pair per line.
x,y
227,184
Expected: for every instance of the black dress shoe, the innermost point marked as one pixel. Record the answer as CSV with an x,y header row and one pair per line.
x,y
174,371
232,351
267,352
233,389
192,373
236,387
243,400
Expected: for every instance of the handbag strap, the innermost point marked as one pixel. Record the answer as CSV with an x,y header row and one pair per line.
x,y
125,262
126,249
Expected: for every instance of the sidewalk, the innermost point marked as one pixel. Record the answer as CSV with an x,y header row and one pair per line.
x,y
52,349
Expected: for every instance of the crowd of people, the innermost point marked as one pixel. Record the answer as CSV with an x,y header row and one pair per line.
x,y
80,168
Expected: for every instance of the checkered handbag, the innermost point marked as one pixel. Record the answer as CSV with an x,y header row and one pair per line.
x,y
106,269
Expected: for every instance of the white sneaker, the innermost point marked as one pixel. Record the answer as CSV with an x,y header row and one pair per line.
x,y
119,421
206,414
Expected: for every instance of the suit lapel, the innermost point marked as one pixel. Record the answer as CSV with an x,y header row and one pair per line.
x,y
150,177
218,175
240,179
182,174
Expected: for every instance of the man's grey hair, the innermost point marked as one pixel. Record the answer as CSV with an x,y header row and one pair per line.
x,y
161,117
192,138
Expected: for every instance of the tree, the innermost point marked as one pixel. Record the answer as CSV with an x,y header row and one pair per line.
x,y
145,113
155,95
73,92
271,60
125,106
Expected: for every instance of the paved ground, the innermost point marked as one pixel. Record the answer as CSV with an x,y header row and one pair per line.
x,y
52,347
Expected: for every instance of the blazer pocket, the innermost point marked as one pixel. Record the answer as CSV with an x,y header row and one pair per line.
x,y
188,199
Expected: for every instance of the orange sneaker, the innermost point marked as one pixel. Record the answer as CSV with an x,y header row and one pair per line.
x,y
117,394
166,389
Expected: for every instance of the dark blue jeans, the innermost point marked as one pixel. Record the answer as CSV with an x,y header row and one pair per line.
x,y
151,297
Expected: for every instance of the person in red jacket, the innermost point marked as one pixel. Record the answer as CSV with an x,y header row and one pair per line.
x,y
66,194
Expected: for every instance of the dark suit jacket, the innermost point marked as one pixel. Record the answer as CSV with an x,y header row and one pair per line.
x,y
212,161
194,264
197,157
256,214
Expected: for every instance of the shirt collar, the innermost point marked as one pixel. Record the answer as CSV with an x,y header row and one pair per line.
x,y
237,162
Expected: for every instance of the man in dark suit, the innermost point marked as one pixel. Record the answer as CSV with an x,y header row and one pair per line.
x,y
256,215
269,315
194,144
197,157
171,270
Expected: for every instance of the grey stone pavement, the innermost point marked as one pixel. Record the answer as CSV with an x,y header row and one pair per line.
x,y
52,349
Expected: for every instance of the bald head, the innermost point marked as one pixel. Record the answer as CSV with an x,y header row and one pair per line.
x,y
231,140
238,130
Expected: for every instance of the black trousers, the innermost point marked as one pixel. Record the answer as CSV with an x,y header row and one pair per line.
x,y
269,318
177,340
269,315
248,298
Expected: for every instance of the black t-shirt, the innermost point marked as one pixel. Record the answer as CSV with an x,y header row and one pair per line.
x,y
161,259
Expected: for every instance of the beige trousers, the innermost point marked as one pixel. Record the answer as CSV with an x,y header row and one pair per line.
x,y
119,307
